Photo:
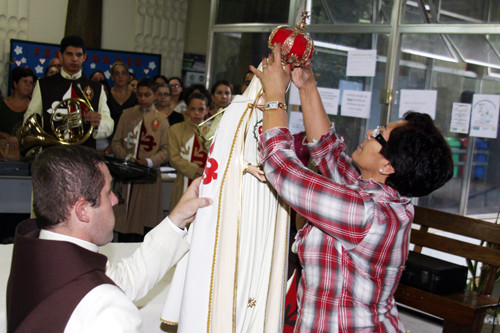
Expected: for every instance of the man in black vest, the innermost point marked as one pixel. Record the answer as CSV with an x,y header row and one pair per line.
x,y
71,83
58,281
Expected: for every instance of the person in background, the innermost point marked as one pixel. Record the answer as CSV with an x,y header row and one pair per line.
x,y
163,104
177,87
141,136
76,289
13,108
121,95
71,82
200,88
185,146
358,209
51,70
56,61
160,79
246,81
99,76
222,94
132,84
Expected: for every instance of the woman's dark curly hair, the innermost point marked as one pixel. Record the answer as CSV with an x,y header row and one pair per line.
x,y
420,156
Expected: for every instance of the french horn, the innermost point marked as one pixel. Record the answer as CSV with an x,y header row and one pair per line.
x,y
66,122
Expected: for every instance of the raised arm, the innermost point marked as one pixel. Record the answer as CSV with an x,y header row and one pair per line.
x,y
274,80
316,120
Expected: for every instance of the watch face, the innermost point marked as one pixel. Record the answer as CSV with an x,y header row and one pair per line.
x,y
274,105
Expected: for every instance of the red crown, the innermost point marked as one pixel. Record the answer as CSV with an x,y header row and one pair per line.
x,y
296,46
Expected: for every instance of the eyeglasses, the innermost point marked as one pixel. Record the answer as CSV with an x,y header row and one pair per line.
x,y
163,94
174,85
378,136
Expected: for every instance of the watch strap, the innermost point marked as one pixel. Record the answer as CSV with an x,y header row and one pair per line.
x,y
274,105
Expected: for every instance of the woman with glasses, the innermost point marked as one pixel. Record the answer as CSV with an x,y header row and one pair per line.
x,y
163,104
176,102
359,213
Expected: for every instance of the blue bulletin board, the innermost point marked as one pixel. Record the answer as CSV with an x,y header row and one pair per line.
x,y
37,56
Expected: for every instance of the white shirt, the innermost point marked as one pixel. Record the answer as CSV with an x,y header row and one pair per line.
x,y
107,308
105,128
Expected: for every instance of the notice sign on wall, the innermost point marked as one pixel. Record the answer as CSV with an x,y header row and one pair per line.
x,y
484,117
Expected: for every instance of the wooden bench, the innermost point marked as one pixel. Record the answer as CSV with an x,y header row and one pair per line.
x,y
465,311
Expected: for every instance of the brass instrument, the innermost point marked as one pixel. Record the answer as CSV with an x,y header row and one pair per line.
x,y
66,123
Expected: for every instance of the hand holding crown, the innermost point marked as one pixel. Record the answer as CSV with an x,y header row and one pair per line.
x,y
296,46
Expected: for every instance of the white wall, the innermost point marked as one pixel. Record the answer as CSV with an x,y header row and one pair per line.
x,y
198,18
118,25
47,20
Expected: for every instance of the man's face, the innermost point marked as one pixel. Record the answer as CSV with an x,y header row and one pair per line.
x,y
103,218
145,96
196,110
72,59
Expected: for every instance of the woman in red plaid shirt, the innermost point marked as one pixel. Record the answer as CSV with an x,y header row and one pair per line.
x,y
354,248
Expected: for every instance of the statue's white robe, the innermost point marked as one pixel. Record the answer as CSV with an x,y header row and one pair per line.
x,y
234,276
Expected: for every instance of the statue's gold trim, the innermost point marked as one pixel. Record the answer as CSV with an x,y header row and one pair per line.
x,y
224,178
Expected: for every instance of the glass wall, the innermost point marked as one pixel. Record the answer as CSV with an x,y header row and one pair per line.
x,y
451,47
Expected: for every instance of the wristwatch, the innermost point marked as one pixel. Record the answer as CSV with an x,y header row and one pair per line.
x,y
275,105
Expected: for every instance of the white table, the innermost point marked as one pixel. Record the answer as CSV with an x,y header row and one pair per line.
x,y
150,306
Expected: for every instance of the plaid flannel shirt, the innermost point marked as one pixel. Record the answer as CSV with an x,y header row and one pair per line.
x,y
353,249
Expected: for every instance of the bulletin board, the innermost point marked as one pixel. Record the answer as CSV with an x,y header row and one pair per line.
x,y
37,56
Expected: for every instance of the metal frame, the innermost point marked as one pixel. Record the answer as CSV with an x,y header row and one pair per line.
x,y
395,29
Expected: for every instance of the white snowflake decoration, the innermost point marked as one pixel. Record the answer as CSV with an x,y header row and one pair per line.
x,y
18,50
39,69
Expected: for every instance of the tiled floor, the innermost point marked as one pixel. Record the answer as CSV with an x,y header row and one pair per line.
x,y
417,323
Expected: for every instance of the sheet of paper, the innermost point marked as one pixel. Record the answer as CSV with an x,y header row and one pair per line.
x,y
293,97
361,62
423,101
330,99
296,122
460,118
484,117
348,85
356,104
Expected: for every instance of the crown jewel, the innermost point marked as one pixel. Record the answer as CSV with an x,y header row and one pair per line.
x,y
296,46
